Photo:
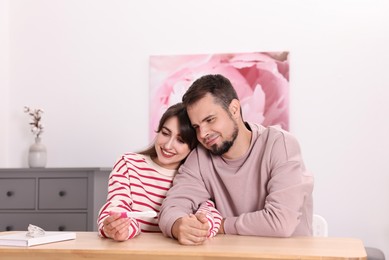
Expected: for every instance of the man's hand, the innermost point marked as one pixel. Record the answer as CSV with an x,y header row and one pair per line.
x,y
191,229
116,227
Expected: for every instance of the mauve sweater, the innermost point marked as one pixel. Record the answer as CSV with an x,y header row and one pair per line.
x,y
266,192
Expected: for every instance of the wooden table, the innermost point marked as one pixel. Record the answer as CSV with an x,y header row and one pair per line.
x,y
88,245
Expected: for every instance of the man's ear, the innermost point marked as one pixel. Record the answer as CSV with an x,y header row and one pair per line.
x,y
235,108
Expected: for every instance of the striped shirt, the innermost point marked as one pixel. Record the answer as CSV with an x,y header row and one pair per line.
x,y
137,183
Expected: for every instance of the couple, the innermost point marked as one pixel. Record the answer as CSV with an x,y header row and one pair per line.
x,y
253,175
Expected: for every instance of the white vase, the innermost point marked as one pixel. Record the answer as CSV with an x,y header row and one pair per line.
x,y
37,154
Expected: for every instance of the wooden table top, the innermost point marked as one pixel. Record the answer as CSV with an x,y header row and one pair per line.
x,y
88,245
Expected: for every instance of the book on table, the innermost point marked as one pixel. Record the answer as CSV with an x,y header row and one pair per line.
x,y
22,239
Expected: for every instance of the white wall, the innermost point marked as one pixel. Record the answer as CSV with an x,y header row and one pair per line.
x,y
86,63
4,82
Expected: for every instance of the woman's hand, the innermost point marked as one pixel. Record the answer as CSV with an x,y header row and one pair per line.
x,y
117,227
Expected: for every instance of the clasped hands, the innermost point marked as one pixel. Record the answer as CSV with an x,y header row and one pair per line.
x,y
193,229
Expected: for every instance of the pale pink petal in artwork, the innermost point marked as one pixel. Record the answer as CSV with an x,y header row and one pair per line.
x,y
253,107
261,80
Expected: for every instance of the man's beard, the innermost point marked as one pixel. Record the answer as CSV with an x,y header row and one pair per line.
x,y
226,145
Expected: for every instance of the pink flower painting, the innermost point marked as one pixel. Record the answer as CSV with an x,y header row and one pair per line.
x,y
261,80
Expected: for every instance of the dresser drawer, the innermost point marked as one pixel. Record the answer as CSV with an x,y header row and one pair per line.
x,y
17,193
47,221
63,193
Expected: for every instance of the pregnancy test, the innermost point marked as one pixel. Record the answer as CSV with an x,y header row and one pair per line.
x,y
139,214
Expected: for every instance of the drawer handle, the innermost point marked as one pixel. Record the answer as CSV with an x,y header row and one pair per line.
x,y
10,193
61,228
62,193
9,228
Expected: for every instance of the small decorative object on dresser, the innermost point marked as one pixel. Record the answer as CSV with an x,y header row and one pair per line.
x,y
37,154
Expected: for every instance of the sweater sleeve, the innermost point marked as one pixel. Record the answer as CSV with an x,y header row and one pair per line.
x,y
213,216
185,196
119,198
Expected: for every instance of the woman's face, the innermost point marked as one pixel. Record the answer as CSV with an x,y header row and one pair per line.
x,y
171,149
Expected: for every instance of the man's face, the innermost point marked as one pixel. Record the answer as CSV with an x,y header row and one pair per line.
x,y
215,128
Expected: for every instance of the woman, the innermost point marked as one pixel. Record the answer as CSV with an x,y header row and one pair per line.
x,y
139,181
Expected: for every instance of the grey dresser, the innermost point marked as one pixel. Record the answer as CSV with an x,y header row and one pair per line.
x,y
52,198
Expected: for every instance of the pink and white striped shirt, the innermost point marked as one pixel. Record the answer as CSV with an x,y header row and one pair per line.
x,y
136,183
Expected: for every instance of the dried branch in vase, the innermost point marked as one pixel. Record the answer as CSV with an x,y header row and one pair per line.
x,y
36,124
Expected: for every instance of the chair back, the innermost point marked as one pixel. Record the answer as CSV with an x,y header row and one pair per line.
x,y
319,226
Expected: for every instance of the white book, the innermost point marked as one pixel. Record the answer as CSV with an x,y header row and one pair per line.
x,y
20,238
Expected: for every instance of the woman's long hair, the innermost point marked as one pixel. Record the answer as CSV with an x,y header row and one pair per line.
x,y
188,134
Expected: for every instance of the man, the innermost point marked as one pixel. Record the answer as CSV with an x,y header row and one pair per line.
x,y
255,175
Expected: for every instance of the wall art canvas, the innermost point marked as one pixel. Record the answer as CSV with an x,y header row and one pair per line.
x,y
261,80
